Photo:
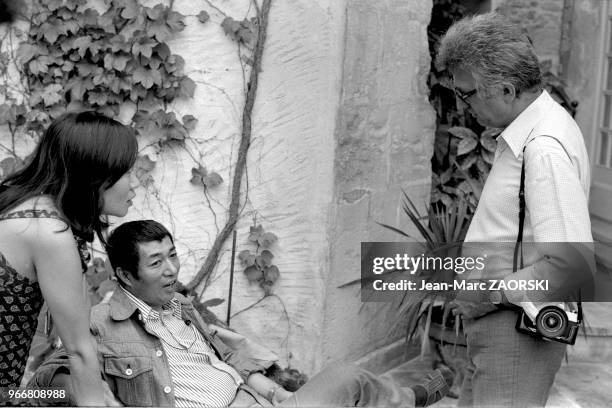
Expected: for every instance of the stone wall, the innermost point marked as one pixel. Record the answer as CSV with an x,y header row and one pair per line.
x,y
542,19
384,137
569,33
581,71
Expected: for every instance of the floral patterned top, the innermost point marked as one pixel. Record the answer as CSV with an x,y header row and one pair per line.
x,y
20,304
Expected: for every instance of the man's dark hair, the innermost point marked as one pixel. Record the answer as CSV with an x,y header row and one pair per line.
x,y
9,9
122,244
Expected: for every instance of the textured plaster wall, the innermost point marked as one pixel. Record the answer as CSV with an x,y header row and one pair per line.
x,y
384,139
289,169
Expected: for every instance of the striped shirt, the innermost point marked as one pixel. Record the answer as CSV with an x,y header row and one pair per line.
x,y
200,379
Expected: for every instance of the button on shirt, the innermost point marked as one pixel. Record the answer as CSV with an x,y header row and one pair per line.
x,y
556,186
199,377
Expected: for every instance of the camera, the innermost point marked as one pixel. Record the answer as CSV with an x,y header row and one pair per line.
x,y
550,321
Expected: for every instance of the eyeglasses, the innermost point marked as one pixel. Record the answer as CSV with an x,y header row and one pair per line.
x,y
464,96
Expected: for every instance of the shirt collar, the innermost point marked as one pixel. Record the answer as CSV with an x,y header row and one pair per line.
x,y
517,132
148,312
122,307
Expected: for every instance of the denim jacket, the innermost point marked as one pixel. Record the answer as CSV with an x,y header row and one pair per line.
x,y
133,360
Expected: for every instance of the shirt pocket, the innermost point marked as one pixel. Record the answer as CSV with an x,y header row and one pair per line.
x,y
133,377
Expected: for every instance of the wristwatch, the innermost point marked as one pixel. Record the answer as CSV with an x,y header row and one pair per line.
x,y
496,297
272,393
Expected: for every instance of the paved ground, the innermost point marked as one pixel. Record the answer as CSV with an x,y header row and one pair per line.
x,y
584,380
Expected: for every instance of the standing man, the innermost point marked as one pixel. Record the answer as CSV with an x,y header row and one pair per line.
x,y
496,75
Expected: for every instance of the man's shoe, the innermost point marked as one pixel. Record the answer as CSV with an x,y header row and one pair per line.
x,y
434,387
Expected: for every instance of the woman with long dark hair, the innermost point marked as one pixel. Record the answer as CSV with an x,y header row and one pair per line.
x,y
79,172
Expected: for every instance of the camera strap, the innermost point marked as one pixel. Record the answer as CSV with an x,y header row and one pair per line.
x,y
518,261
518,247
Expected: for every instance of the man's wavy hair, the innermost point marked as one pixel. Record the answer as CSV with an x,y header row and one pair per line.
x,y
79,156
494,50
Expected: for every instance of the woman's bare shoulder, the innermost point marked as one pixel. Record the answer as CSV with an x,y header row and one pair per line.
x,y
42,202
39,220
25,237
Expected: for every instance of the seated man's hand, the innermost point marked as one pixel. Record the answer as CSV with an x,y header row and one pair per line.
x,y
281,395
471,310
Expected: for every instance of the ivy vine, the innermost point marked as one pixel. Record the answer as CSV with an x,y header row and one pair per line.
x,y
114,57
258,264
78,57
250,34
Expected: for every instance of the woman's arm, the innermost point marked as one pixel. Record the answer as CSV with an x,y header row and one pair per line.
x,y
59,273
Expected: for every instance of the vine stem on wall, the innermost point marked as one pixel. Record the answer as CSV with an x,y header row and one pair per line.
x,y
205,272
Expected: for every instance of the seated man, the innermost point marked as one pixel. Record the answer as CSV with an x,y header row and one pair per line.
x,y
155,349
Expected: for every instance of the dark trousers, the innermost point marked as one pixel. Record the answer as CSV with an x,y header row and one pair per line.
x,y
508,368
343,385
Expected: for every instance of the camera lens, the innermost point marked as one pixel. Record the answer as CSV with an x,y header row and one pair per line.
x,y
551,322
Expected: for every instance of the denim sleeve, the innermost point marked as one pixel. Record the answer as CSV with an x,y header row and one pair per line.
x,y
58,361
243,364
233,354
